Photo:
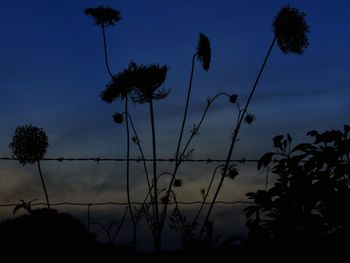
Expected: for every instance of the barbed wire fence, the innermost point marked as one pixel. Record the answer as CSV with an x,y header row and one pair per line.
x,y
139,159
89,205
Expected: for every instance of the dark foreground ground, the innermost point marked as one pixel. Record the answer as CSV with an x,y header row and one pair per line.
x,y
47,236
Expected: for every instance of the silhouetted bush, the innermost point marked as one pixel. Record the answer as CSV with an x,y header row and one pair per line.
x,y
48,231
309,204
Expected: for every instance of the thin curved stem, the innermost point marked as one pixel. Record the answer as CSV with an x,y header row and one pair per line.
x,y
140,149
155,179
186,109
177,164
201,121
205,196
105,229
182,232
116,233
151,189
128,169
105,51
43,183
145,168
234,138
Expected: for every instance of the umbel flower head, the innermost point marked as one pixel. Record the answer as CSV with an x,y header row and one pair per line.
x,y
204,51
29,144
121,84
290,30
103,16
118,118
147,81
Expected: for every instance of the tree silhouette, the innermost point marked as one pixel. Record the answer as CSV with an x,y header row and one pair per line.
x,y
29,145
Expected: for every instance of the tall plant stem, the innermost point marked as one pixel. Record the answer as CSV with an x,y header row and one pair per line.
x,y
177,159
205,197
155,181
43,183
177,165
185,113
234,138
140,150
105,51
128,171
145,168
116,233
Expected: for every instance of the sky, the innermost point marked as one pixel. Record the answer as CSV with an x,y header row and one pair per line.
x,y
52,71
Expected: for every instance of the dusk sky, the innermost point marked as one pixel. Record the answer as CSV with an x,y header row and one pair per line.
x,y
52,71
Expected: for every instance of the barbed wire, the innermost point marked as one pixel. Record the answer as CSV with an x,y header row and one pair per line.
x,y
125,203
139,159
99,159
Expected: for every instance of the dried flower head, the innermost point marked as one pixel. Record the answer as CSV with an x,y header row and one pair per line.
x,y
204,51
249,118
177,183
147,80
233,98
232,172
290,30
103,16
29,144
118,118
120,86
135,140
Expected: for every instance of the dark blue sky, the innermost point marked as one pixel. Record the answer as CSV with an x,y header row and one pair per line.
x,y
52,71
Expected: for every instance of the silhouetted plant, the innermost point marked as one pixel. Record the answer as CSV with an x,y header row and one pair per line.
x,y
185,154
29,145
203,53
147,82
143,84
290,30
181,225
104,16
310,200
121,86
110,233
24,205
118,118
147,88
